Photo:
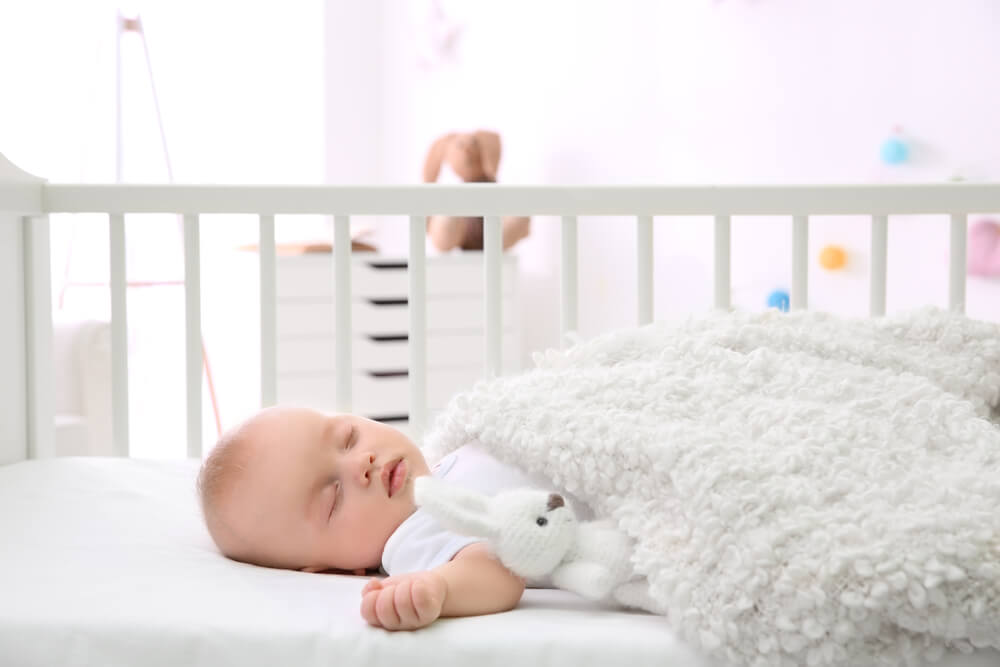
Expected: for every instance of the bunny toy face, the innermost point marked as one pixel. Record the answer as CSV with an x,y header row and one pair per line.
x,y
538,530
529,530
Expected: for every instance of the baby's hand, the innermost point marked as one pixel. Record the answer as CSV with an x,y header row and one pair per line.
x,y
405,602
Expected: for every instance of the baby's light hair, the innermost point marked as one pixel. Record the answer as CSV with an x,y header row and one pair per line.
x,y
220,470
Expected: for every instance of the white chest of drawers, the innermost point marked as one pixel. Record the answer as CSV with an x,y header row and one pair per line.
x,y
306,370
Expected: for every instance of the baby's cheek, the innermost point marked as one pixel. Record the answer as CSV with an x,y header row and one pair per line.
x,y
353,543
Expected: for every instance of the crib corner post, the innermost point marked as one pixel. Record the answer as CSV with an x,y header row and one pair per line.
x,y
13,427
38,337
26,429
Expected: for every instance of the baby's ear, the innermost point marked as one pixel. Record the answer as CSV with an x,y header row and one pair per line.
x,y
459,509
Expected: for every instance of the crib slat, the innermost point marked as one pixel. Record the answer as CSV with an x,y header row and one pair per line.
x,y
493,249
268,313
119,338
417,303
957,263
192,312
342,291
722,261
644,264
800,262
880,240
568,288
38,336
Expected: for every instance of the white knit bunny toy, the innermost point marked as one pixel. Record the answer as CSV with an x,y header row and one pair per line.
x,y
534,534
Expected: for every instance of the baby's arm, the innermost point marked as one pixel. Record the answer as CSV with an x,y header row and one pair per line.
x,y
471,583
478,583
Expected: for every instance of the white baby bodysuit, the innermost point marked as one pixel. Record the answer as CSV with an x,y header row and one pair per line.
x,y
421,543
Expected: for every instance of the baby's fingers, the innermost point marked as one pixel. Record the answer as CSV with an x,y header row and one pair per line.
x,y
373,585
385,610
368,608
426,602
403,604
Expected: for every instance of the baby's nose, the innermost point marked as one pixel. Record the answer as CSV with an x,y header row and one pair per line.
x,y
366,469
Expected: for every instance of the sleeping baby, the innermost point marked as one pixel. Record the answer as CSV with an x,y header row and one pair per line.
x,y
298,489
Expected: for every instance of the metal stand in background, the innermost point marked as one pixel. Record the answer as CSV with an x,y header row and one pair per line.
x,y
134,25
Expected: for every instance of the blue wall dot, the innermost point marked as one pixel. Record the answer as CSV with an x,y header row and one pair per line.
x,y
894,151
778,299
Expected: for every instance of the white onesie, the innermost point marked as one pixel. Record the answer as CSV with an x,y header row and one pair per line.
x,y
421,543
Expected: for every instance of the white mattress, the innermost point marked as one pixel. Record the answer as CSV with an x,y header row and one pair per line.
x,y
106,562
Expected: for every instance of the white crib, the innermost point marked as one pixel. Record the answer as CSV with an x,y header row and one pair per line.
x,y
27,200
599,635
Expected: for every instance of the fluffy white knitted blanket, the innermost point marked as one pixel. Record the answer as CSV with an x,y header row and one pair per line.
x,y
802,489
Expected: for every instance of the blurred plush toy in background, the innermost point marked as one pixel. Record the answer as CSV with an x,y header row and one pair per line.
x,y
473,158
984,248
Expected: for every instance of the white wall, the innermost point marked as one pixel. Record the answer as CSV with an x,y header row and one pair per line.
x,y
701,91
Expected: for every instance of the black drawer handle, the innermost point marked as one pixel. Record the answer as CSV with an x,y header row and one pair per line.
x,y
378,266
389,418
388,374
388,338
388,302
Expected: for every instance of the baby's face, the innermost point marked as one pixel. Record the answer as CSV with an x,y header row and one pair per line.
x,y
322,491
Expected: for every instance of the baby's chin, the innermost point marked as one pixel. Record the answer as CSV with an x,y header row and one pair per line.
x,y
408,496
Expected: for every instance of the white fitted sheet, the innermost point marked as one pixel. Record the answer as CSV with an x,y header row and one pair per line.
x,y
106,562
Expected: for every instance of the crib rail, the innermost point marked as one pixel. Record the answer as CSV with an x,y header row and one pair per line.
x,y
21,204
491,199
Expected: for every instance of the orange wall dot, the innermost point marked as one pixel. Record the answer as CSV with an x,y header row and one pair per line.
x,y
833,257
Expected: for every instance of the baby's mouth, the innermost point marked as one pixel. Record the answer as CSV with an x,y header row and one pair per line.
x,y
394,476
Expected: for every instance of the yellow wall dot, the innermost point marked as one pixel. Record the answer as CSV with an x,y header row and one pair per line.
x,y
833,257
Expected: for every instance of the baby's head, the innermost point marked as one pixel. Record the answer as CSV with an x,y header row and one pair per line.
x,y
299,489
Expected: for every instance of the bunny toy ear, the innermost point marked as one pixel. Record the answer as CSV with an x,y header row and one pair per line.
x,y
489,152
435,156
459,509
